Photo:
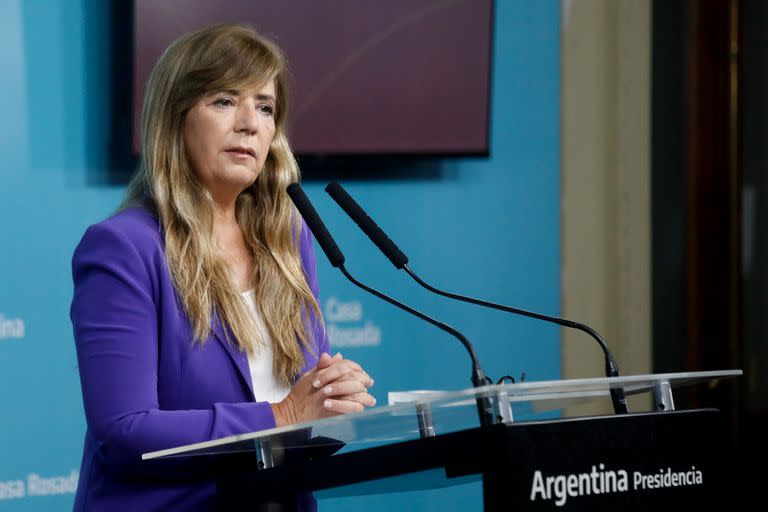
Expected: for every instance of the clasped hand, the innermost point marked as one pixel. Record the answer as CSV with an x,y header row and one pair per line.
x,y
335,386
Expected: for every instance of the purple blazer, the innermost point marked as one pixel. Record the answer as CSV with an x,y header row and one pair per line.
x,y
145,385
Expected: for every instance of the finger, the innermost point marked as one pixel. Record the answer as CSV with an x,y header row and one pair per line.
x,y
368,380
342,406
353,365
324,361
344,387
360,376
340,375
361,398
338,357
334,372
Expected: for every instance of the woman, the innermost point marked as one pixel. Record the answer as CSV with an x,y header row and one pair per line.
x,y
195,307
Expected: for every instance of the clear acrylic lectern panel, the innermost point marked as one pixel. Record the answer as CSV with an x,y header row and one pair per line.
x,y
418,414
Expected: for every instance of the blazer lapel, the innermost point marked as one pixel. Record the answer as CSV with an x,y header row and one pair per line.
x,y
239,358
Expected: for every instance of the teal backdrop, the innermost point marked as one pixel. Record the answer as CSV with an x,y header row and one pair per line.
x,y
484,226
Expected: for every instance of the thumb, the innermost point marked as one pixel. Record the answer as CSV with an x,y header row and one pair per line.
x,y
324,361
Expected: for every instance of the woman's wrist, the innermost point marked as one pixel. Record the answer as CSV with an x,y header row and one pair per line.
x,y
284,412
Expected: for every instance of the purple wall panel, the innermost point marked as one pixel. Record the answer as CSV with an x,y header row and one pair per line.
x,y
369,76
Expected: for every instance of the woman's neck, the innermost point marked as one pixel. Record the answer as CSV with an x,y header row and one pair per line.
x,y
224,216
233,247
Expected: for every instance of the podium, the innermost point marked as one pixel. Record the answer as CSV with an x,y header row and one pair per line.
x,y
532,458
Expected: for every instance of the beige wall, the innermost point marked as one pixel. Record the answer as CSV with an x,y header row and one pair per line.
x,y
606,80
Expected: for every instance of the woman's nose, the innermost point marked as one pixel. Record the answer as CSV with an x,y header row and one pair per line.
x,y
247,119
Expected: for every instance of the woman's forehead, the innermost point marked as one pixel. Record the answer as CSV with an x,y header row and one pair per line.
x,y
256,89
250,84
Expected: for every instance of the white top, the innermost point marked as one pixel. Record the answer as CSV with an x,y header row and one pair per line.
x,y
266,387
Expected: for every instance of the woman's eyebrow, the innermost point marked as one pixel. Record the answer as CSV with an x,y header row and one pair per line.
x,y
237,93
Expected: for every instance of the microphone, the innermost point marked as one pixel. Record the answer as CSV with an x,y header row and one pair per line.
x,y
400,261
336,258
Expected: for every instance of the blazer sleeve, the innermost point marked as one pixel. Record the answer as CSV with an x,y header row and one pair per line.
x,y
115,322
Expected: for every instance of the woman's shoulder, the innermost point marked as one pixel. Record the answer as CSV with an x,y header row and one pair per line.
x,y
135,227
137,223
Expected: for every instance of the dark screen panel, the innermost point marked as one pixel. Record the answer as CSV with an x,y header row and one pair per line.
x,y
370,76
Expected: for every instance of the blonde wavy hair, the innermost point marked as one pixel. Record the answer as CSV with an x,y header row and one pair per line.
x,y
211,59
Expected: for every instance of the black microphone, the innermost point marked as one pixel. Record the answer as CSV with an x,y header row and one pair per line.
x,y
400,261
336,258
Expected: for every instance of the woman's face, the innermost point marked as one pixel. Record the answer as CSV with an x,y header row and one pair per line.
x,y
227,135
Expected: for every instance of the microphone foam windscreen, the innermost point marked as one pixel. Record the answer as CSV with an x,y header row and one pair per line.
x,y
316,225
366,223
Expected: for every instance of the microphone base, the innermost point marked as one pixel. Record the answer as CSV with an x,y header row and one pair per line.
x,y
619,401
485,409
485,412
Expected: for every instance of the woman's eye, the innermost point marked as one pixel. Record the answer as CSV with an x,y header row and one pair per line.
x,y
223,102
266,109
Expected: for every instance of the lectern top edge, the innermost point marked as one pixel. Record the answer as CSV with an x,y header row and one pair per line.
x,y
399,415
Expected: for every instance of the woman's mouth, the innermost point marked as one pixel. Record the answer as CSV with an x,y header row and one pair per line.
x,y
241,152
